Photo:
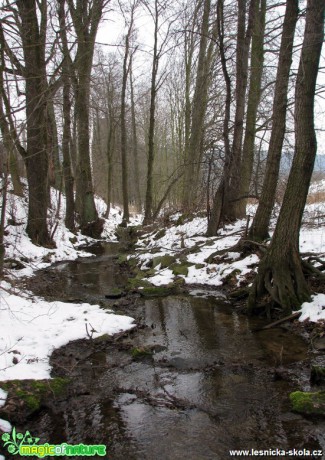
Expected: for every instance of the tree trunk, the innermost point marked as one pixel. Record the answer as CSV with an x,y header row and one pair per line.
x,y
254,95
135,145
84,187
243,45
66,136
85,16
260,225
199,106
55,173
36,158
280,272
125,188
222,190
151,147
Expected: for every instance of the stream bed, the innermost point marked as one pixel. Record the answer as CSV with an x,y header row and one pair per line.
x,y
194,380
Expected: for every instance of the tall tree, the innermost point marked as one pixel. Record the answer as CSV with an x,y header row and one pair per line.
x,y
242,55
126,70
158,50
86,15
222,190
135,147
198,110
260,225
254,95
223,207
32,27
66,135
280,272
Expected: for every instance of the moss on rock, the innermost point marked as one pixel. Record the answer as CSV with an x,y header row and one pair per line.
x,y
140,353
114,293
164,261
181,269
136,283
199,266
32,392
308,403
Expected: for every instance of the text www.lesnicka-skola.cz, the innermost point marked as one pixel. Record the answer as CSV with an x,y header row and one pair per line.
x,y
305,453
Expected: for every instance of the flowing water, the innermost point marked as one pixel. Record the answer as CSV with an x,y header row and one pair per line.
x,y
202,381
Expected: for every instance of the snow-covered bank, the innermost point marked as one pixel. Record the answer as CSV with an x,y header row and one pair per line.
x,y
30,327
187,244
19,247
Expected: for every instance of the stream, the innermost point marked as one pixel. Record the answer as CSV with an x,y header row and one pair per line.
x,y
192,381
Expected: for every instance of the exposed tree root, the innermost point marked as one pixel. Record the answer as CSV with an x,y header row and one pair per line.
x,y
280,276
243,246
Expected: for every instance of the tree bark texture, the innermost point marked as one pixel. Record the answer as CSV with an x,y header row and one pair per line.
x,y
198,108
260,225
151,147
243,45
222,190
85,17
66,136
254,95
280,272
36,158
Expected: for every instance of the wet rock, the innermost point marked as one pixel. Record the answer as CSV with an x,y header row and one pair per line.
x,y
155,291
317,375
141,353
26,396
308,403
114,293
319,343
13,264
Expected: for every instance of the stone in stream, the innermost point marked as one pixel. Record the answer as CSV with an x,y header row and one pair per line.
x,y
114,293
308,403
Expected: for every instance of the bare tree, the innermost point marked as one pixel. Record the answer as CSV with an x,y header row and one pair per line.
x,y
85,15
260,225
280,271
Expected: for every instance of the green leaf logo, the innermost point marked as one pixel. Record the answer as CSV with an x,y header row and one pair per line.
x,y
12,441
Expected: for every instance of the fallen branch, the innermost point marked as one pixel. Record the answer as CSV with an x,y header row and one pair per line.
x,y
280,321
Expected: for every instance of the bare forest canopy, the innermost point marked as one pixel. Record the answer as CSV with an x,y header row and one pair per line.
x,y
187,106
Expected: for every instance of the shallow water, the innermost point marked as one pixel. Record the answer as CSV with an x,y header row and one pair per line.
x,y
208,385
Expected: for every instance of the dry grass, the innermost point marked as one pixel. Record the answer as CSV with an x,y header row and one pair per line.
x,y
317,197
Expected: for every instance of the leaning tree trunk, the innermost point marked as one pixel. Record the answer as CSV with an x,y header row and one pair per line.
x,y
260,225
280,272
